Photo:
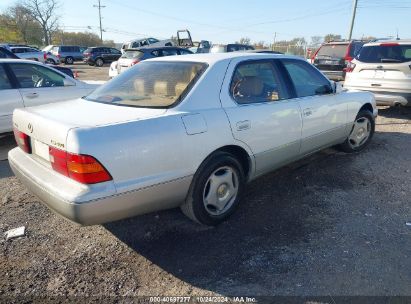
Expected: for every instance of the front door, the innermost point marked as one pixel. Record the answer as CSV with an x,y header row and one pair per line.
x,y
41,85
260,112
324,113
10,99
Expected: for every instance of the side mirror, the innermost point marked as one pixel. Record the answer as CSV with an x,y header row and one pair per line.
x,y
68,82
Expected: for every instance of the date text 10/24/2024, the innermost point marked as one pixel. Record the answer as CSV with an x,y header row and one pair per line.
x,y
202,299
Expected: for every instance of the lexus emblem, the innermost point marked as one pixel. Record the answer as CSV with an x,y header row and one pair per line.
x,y
30,127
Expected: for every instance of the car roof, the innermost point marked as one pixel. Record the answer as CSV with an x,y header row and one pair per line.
x,y
212,58
379,42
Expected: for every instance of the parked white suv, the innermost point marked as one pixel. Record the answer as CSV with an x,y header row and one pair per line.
x,y
383,68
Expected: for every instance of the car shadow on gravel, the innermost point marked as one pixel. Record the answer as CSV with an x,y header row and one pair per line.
x,y
395,112
280,211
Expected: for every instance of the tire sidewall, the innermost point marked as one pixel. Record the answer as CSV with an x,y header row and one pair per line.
x,y
200,179
98,60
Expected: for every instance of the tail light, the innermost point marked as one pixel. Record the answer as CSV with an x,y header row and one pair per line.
x,y
86,54
58,56
45,56
22,140
134,62
84,169
350,67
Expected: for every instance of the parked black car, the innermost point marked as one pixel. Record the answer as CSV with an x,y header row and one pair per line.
x,y
332,57
98,56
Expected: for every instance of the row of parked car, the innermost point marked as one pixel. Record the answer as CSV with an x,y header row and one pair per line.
x,y
382,67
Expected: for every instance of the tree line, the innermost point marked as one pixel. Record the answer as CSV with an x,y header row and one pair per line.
x,y
35,22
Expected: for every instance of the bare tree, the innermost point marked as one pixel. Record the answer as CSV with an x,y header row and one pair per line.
x,y
44,11
27,26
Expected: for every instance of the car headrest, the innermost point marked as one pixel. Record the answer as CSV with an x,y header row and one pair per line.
x,y
250,86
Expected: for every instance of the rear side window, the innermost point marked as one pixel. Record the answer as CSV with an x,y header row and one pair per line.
x,y
36,76
355,48
333,50
306,79
132,54
4,80
169,52
389,53
256,82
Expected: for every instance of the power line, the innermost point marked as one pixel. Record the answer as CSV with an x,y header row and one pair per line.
x,y
99,6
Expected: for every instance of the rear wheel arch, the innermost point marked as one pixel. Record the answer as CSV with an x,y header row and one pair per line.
x,y
367,107
241,155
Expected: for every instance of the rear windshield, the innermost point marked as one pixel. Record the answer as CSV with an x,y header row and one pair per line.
x,y
385,53
333,50
150,85
132,54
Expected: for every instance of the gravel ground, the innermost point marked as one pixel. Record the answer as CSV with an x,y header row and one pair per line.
x,y
332,224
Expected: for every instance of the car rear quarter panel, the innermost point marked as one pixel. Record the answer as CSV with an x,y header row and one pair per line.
x,y
153,151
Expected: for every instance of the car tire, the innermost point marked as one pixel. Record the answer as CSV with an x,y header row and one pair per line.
x,y
216,190
99,62
361,133
50,61
69,60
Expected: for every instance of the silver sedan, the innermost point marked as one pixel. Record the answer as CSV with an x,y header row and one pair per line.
x,y
183,131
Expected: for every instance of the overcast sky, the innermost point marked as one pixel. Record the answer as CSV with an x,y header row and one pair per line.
x,y
223,21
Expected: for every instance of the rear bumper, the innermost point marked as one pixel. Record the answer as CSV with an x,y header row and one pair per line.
x,y
392,99
386,98
99,210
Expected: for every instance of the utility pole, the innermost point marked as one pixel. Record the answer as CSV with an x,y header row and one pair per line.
x,y
354,10
99,6
275,36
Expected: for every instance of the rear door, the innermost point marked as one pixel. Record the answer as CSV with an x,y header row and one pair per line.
x,y
324,113
40,85
261,113
10,99
384,67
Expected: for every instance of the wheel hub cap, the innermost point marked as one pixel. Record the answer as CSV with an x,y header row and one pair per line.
x,y
220,190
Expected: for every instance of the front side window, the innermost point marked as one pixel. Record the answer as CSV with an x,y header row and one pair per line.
x,y
36,76
150,84
152,40
255,82
4,80
306,79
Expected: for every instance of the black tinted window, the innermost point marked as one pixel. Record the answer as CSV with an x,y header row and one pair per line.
x,y
169,52
255,82
4,80
355,48
390,53
306,79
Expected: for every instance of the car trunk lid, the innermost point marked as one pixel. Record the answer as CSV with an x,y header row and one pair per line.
x,y
49,125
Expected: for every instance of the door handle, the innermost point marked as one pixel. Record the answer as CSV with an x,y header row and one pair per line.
x,y
307,112
243,125
32,95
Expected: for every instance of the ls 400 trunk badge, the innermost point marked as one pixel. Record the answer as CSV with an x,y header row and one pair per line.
x,y
30,127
